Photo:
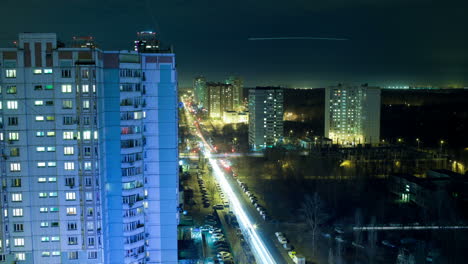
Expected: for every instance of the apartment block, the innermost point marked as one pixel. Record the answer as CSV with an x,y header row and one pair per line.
x,y
89,145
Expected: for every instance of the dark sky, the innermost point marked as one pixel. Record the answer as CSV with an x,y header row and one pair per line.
x,y
390,41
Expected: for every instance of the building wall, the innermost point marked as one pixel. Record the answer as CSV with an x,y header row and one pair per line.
x,y
352,114
265,117
90,154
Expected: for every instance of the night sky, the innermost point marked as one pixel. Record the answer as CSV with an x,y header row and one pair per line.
x,y
390,41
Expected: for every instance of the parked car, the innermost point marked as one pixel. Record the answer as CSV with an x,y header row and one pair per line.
x,y
291,254
278,234
217,236
218,207
288,247
282,240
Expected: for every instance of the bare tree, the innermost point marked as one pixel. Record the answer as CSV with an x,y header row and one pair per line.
x,y
313,211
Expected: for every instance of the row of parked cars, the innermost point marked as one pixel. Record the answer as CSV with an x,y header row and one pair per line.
x,y
221,245
253,199
299,259
204,191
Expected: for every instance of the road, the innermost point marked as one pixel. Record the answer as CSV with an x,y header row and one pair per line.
x,y
258,234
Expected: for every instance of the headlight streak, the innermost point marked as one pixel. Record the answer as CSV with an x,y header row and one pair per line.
x,y
256,242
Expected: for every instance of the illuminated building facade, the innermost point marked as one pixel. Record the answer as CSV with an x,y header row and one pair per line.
x,y
265,117
89,140
237,95
199,89
219,98
352,114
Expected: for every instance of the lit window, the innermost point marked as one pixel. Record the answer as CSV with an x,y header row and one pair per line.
x,y
50,118
18,242
42,195
89,196
69,196
71,210
87,135
54,209
66,88
41,164
68,150
52,179
43,209
67,104
49,87
17,212
68,135
85,88
39,118
87,165
37,71
39,102
51,164
86,104
15,166
51,133
44,224
51,149
45,239
41,179
13,135
12,104
53,194
16,197
69,165
55,238
40,133
10,73
11,89
48,71
45,253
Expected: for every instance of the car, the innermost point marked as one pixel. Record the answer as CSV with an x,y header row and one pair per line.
x,y
217,236
278,234
215,230
220,242
222,248
291,254
265,217
282,240
339,239
205,227
288,247
259,208
206,205
247,193
226,204
218,207
224,254
326,235
388,244
339,230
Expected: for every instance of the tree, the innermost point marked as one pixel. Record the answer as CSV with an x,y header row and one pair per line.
x,y
313,212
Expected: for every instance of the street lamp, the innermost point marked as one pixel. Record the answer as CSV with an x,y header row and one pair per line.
x,y
417,140
441,145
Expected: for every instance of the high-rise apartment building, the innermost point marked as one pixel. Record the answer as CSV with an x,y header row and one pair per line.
x,y
237,92
89,145
219,98
352,114
200,92
265,116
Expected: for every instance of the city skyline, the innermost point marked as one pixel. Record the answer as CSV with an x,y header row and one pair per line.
x,y
388,43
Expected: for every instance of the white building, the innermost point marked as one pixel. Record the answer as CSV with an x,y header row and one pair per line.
x,y
89,144
265,117
352,114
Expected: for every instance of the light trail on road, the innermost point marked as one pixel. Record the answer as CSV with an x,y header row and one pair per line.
x,y
263,255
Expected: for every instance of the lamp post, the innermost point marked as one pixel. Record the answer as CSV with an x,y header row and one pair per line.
x,y
418,141
441,145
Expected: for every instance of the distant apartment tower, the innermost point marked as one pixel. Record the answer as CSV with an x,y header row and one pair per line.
x,y
265,117
237,92
89,145
200,90
352,114
219,98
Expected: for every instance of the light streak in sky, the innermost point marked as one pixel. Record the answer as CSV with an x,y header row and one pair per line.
x,y
298,38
